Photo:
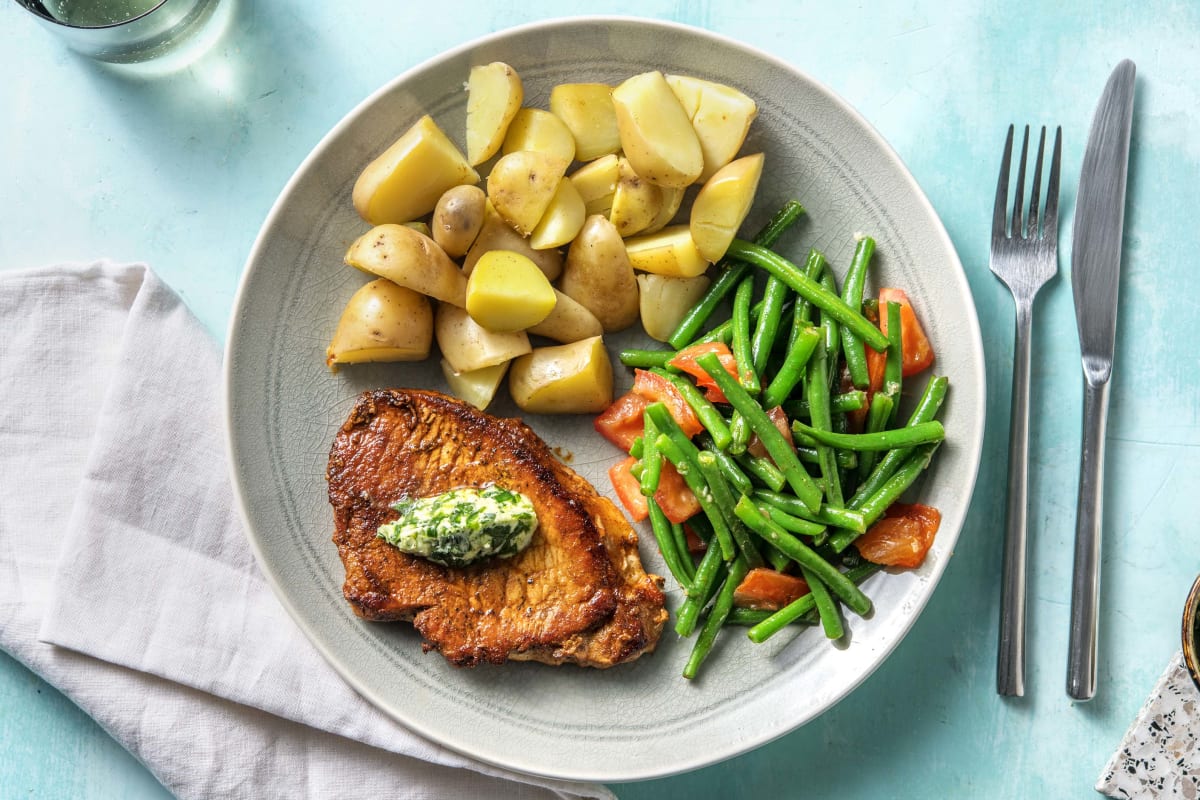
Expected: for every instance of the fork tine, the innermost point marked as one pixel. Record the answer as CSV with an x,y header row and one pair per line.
x,y
1050,225
1031,227
1018,200
1000,212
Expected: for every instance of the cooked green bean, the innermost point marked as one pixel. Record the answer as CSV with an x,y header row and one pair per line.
x,y
792,524
827,608
851,519
843,403
877,420
645,359
816,387
661,527
708,574
908,436
767,328
814,267
800,351
803,608
651,458
852,293
873,507
684,459
893,370
716,618
763,469
729,467
681,547
845,458
739,434
740,345
830,329
706,412
723,499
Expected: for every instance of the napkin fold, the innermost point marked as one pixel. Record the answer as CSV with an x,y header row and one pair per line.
x,y
125,576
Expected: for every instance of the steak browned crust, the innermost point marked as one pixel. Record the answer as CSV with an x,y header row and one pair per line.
x,y
577,594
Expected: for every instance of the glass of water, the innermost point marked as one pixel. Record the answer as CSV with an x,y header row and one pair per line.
x,y
128,31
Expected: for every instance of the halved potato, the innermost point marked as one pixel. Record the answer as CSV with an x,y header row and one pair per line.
x,y
672,199
497,234
458,218
469,346
522,185
656,134
561,220
535,129
574,378
599,277
405,181
476,387
636,202
508,292
720,114
382,322
569,321
587,111
494,96
722,205
597,183
411,259
671,252
663,301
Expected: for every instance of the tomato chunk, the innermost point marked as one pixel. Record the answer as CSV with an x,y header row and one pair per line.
x,y
918,354
673,496
622,422
685,361
767,590
779,418
902,537
657,389
629,489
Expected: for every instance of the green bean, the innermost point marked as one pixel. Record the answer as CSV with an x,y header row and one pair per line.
x,y
724,331
685,332
651,458
706,412
681,547
637,447
877,420
767,328
763,469
780,449
716,618
645,359
661,527
729,467
776,557
800,283
908,436
723,499
814,267
843,403
686,465
741,335
791,523
845,458
708,573
852,293
802,608
831,620
873,507
893,370
830,329
816,387
803,555
749,617
739,434
851,519
800,351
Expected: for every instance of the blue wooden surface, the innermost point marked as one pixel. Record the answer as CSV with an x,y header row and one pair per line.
x,y
180,171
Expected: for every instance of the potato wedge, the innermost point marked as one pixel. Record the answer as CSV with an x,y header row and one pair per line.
x,y
522,185
672,200
508,292
497,234
405,181
411,259
636,202
663,301
721,116
587,111
476,387
469,346
494,96
568,321
561,220
574,378
535,129
382,322
458,218
656,134
722,205
599,277
597,183
670,252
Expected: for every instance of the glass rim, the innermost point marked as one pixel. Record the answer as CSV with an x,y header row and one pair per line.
x,y
38,7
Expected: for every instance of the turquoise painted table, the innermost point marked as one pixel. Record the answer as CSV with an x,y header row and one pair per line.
x,y
180,171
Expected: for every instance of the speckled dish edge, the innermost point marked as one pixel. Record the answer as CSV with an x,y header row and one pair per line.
x,y
282,407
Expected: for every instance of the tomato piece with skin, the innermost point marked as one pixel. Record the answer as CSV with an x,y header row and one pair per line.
x,y
657,389
918,353
685,361
779,417
622,422
629,489
765,589
902,537
673,496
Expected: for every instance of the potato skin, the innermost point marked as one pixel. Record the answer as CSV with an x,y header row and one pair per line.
x,y
598,275
458,218
574,378
410,258
382,321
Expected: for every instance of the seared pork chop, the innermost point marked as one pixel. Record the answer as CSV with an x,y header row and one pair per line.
x,y
577,594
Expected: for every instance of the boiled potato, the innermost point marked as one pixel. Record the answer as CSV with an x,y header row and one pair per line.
x,y
508,292
597,184
458,218
497,234
574,378
476,387
670,252
562,219
599,277
420,227
522,185
720,114
382,322
722,205
656,134
587,111
534,129
407,179
568,321
664,301
672,199
411,259
469,346
494,96
635,203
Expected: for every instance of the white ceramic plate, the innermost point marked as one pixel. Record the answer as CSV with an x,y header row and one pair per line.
x,y
639,720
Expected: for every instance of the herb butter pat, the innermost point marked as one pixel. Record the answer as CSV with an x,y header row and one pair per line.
x,y
462,526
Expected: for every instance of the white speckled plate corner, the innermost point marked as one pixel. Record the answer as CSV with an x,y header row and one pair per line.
x,y
639,720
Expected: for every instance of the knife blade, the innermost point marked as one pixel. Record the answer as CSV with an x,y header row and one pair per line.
x,y
1095,275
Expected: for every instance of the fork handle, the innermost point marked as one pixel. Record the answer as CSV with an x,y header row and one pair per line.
x,y
1085,582
1010,664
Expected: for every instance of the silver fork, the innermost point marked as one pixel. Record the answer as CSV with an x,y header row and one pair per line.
x,y
1024,257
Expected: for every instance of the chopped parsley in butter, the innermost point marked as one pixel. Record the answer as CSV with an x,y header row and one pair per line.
x,y
462,526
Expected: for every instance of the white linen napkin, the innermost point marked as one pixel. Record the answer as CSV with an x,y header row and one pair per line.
x,y
125,577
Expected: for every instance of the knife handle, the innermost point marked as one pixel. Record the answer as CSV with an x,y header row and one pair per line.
x,y
1010,662
1085,582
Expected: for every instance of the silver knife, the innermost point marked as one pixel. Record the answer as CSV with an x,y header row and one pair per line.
x,y
1095,270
